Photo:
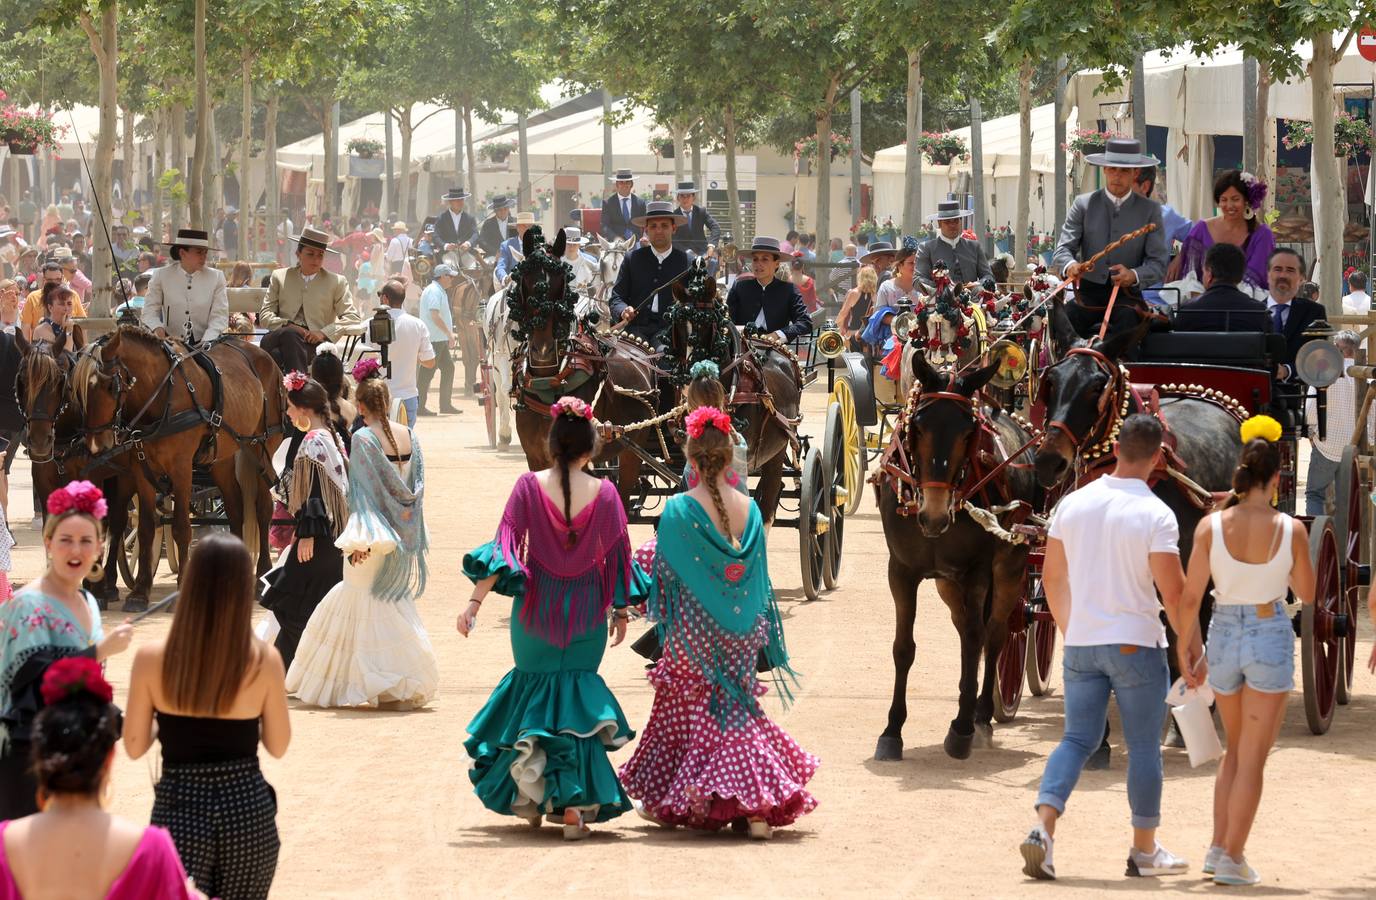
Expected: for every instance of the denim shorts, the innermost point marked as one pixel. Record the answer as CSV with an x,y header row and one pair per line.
x,y
1246,649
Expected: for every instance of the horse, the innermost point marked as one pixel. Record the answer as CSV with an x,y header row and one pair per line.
x,y
474,274
154,398
943,456
501,345
1087,394
609,266
556,355
57,451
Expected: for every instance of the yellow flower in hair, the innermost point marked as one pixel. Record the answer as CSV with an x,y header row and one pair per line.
x,y
1262,426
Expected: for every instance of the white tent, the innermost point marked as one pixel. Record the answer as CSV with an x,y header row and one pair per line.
x,y
1002,150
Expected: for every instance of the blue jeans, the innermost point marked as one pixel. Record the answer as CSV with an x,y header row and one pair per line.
x,y
1139,679
1322,473
411,406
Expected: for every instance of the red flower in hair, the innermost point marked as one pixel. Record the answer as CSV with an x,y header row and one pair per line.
x,y
81,496
700,418
294,381
75,675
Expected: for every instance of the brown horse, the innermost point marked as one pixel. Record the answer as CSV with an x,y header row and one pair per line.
x,y
59,454
475,276
557,357
151,397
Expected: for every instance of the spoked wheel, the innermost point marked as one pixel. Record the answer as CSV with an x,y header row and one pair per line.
x,y
1041,637
834,463
853,456
1323,624
1012,662
813,523
128,555
489,401
1348,525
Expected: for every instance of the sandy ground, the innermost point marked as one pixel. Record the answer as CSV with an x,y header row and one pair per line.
x,y
378,804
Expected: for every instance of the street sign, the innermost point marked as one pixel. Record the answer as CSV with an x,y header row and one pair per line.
x,y
1366,43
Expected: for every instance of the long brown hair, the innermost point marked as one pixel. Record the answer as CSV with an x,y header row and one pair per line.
x,y
1258,464
374,396
211,649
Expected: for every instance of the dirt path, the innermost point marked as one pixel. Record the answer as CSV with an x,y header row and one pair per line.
x,y
379,805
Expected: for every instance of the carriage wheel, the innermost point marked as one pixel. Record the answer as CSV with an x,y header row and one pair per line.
x,y
1348,522
1009,669
489,400
834,472
813,523
128,554
1041,638
1321,625
853,456
169,546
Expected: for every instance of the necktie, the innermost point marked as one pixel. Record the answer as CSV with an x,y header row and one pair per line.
x,y
626,213
1278,314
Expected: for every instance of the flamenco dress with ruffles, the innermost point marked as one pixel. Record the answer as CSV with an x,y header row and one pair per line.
x,y
709,756
539,746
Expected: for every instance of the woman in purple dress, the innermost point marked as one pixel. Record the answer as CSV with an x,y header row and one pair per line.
x,y
1238,196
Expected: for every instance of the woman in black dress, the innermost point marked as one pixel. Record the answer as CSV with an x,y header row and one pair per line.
x,y
316,489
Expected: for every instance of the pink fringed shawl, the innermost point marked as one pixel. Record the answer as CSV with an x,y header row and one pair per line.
x,y
568,589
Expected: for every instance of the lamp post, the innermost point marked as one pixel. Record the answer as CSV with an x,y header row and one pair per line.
x,y
382,332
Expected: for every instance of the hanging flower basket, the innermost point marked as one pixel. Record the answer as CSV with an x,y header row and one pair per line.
x,y
1087,141
662,146
807,147
364,148
497,151
1351,135
25,131
942,149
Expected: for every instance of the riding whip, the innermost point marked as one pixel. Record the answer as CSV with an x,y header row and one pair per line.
x,y
100,210
651,295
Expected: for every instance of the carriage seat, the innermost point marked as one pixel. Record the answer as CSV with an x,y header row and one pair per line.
x,y
1242,349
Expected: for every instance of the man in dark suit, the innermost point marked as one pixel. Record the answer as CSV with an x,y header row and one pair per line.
x,y
498,226
770,305
620,210
1222,307
641,295
1290,315
963,258
701,229
455,227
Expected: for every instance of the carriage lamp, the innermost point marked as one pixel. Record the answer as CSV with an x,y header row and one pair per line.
x,y
382,332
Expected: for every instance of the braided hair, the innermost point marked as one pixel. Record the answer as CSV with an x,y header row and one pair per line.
x,y
570,439
374,396
710,453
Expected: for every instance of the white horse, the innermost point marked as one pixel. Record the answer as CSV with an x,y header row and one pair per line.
x,y
500,344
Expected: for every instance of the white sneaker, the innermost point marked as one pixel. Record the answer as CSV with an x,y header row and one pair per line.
x,y
1227,871
1211,859
1036,855
37,523
1159,862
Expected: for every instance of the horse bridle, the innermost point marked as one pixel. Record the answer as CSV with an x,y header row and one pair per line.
x,y
926,399
1108,408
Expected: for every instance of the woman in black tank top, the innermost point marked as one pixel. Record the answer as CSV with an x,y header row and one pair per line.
x,y
856,308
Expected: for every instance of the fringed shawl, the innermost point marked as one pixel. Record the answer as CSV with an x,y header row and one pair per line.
x,y
388,510
568,589
696,563
321,458
34,626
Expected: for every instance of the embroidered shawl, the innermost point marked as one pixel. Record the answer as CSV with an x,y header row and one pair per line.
x,y
35,629
568,589
321,458
392,508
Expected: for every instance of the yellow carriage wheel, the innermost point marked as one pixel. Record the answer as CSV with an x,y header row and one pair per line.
x,y
854,461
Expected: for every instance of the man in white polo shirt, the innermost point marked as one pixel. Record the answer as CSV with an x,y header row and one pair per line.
x,y
410,349
1111,547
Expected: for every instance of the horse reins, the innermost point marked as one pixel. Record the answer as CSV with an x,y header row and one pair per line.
x,y
1107,407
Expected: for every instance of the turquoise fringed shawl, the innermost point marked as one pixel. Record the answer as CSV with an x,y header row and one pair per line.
x,y
695,561
376,489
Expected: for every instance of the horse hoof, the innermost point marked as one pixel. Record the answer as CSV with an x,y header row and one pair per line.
x,y
102,602
957,746
136,605
889,749
984,735
1098,760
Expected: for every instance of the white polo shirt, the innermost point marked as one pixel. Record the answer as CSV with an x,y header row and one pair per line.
x,y
1110,528
409,348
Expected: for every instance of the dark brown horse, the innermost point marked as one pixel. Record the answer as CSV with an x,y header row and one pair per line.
x,y
947,440
557,357
59,454
153,398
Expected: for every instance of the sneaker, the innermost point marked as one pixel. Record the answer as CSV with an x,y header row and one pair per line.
x,y
1036,855
1211,859
1226,871
1160,862
422,411
37,523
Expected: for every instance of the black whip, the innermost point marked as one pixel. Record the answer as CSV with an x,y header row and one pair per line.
x,y
100,210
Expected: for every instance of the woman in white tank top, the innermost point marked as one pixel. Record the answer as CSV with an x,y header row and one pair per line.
x,y
1254,555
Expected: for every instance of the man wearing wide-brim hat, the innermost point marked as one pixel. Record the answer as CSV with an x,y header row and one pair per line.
x,y
641,296
497,227
511,252
398,248
963,258
701,231
771,305
305,304
455,227
1101,217
621,209
186,300
879,254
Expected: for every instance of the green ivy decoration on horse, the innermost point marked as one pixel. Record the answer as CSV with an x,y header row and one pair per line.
x,y
710,324
531,312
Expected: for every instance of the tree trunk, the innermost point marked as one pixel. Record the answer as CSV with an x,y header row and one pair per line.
x,y
201,148
912,164
159,166
733,196
680,135
273,182
1266,138
698,178
131,166
459,154
1328,187
822,226
407,133
178,126
472,160
106,51
606,134
977,173
245,155
327,209
1024,169
212,197
523,160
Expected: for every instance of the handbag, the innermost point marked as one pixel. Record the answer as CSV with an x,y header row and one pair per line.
x,y
648,646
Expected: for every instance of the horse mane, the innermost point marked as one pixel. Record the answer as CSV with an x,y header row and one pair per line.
x,y
83,373
39,369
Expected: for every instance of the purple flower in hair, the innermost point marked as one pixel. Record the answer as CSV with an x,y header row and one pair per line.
x,y
1256,190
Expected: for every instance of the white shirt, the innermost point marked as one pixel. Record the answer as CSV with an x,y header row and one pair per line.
x,y
1340,417
660,257
454,217
409,348
396,250
1110,528
1357,303
949,242
1117,201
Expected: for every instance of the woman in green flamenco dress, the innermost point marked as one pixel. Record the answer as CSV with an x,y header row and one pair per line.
x,y
539,746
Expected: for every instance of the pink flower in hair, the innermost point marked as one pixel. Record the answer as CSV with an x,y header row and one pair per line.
x,y
572,407
73,675
78,496
700,418
366,368
294,381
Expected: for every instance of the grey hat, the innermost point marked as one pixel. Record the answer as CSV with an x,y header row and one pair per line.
x,y
314,237
191,237
444,269
574,235
950,209
455,194
660,209
685,187
501,200
1123,153
875,249
623,175
763,244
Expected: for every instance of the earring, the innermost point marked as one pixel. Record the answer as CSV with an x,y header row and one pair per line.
x,y
1249,213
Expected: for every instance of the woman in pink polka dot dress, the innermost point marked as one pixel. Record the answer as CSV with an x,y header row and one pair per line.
x,y
709,756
